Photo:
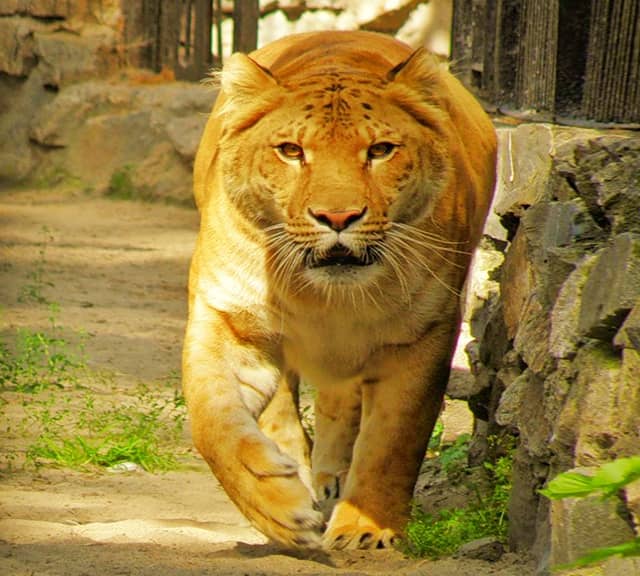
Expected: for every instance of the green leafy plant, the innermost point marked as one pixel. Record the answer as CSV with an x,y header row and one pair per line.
x,y
607,481
121,184
453,458
435,441
42,358
32,291
441,534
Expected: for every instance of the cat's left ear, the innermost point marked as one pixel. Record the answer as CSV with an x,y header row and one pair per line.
x,y
419,72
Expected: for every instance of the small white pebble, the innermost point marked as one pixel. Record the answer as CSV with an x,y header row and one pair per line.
x,y
124,467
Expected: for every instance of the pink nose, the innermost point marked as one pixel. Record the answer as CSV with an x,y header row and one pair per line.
x,y
337,220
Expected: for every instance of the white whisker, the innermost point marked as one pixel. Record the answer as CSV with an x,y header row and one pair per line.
x,y
432,240
401,247
285,256
367,294
403,244
385,253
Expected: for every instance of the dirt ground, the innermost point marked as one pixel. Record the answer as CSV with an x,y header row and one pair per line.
x,y
118,270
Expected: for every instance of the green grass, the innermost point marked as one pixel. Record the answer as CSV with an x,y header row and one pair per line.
x,y
121,184
435,440
442,533
56,176
32,291
41,359
69,415
454,458
144,429
71,425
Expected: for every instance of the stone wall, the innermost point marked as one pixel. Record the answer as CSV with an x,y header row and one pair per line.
x,y
72,111
46,45
557,350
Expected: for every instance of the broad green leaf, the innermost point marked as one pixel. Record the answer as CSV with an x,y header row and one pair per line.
x,y
569,485
613,476
631,548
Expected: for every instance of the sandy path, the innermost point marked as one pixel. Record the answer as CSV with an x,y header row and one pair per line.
x,y
118,271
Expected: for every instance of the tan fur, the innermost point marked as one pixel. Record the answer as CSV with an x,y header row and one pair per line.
x,y
393,141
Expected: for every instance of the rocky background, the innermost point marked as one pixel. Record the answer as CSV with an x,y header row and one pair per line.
x,y
556,358
74,112
555,302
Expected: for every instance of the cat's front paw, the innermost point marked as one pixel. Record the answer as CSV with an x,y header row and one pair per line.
x,y
350,528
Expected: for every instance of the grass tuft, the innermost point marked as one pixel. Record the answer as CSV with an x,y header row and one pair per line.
x,y
45,380
121,185
441,534
41,359
143,430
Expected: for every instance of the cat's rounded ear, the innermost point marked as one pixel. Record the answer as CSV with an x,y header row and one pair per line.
x,y
249,91
419,72
242,77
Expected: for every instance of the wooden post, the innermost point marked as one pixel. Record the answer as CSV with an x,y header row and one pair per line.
x,y
536,66
612,75
559,60
246,14
218,16
202,57
461,43
168,37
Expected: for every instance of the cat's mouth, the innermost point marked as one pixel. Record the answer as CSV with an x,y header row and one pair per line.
x,y
339,255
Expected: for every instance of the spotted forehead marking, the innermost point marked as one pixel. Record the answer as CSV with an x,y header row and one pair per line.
x,y
336,99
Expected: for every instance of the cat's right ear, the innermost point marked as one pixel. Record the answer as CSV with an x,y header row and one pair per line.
x,y
244,81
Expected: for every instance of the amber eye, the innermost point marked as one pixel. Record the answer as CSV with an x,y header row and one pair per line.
x,y
380,150
290,151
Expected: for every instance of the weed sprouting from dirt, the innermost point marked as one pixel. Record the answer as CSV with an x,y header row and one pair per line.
x,y
61,414
42,358
69,424
454,458
442,533
121,184
435,441
32,291
142,429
